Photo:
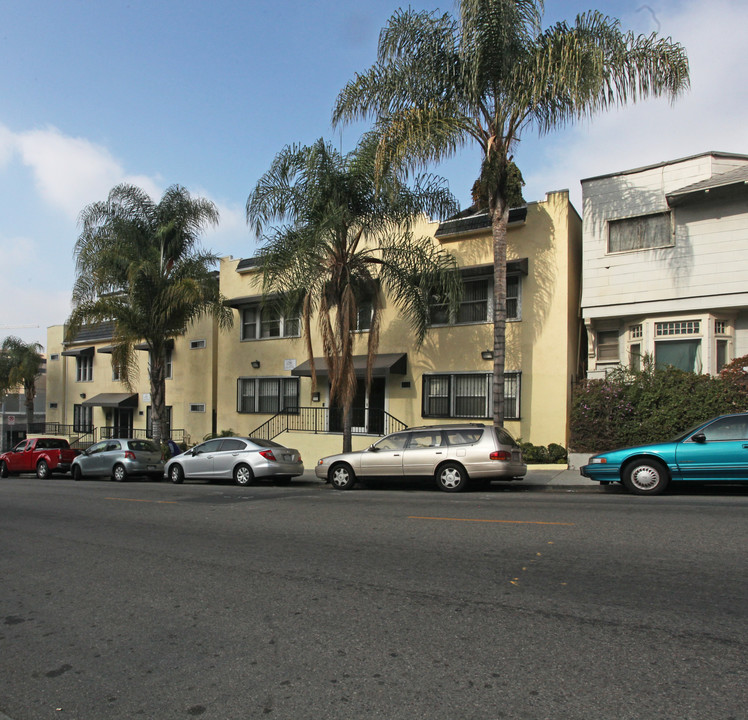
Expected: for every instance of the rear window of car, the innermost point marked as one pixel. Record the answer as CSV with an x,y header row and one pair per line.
x,y
57,444
264,443
142,445
463,436
505,438
233,444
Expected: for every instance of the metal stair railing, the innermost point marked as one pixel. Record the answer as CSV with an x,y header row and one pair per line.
x,y
366,421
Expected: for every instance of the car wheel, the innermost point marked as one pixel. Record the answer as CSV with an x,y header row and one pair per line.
x,y
645,477
119,474
451,477
4,469
243,475
176,474
76,471
342,476
42,470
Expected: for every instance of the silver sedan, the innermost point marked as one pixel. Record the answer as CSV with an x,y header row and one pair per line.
x,y
241,459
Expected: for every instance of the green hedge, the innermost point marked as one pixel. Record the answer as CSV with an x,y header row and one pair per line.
x,y
637,407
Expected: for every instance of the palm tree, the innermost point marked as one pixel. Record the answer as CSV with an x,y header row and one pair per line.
x,y
21,364
487,76
139,264
341,240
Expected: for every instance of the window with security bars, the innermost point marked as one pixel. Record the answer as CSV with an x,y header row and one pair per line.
x,y
267,395
678,327
468,395
476,304
640,233
82,418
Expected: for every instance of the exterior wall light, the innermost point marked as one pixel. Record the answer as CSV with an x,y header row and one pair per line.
x,y
255,364
487,354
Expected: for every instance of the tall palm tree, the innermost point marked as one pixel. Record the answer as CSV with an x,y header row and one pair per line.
x,y
140,265
21,364
342,239
487,76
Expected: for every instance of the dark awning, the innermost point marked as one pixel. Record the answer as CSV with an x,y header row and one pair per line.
x,y
123,400
79,351
396,363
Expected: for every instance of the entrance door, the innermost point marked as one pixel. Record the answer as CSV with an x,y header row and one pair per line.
x,y
367,415
122,421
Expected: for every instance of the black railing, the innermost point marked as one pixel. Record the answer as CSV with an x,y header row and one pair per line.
x,y
365,421
79,436
117,431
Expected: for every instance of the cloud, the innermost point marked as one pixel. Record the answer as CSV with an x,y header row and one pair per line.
x,y
69,172
708,117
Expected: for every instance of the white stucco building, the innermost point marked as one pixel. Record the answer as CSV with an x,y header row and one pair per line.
x,y
665,264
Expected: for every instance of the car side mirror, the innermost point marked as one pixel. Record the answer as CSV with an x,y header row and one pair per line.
x,y
699,438
373,448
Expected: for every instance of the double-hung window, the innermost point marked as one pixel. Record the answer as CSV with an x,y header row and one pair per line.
x,y
267,394
267,322
476,304
468,395
84,368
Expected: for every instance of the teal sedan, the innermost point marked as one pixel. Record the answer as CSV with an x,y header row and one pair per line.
x,y
716,450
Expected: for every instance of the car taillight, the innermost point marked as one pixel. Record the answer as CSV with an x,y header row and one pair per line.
x,y
268,455
500,455
129,455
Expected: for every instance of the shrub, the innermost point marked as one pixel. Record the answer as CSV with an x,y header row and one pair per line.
x,y
538,454
651,405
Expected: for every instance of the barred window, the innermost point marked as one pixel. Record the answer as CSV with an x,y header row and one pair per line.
x,y
468,395
82,418
476,304
640,233
267,394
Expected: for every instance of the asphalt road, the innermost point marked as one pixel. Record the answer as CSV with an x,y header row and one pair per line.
x,y
147,600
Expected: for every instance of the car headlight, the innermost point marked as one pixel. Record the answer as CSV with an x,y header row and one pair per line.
x,y
597,460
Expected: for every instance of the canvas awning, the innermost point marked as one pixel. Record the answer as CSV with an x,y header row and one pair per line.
x,y
395,363
113,400
78,352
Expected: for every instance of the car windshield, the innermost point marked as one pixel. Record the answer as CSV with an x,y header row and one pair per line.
x,y
143,445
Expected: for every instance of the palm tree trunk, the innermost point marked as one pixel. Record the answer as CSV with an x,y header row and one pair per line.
x,y
30,395
499,222
347,427
158,397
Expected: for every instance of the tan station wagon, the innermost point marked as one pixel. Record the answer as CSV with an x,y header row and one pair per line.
x,y
451,454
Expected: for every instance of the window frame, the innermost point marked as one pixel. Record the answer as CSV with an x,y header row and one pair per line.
x,y
82,418
512,394
619,222
256,396
84,368
288,326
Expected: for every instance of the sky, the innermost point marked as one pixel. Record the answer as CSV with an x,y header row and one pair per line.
x,y
204,93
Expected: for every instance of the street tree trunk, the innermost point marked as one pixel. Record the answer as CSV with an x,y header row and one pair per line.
x,y
157,374
499,222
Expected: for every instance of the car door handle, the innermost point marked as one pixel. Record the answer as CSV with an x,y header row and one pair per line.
x,y
745,446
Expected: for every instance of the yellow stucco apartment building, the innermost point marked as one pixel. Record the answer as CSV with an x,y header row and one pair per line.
x,y
242,378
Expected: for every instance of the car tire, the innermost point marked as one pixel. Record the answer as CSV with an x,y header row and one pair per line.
x,y
243,475
451,477
42,470
4,469
342,477
176,474
119,474
645,477
76,472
